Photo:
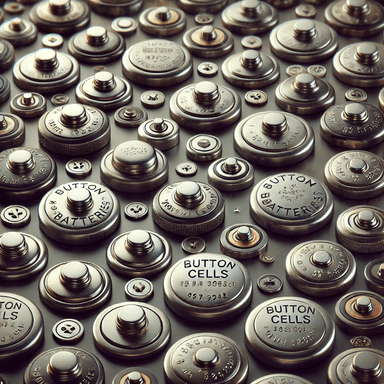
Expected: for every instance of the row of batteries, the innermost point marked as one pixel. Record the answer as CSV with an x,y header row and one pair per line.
x,y
286,333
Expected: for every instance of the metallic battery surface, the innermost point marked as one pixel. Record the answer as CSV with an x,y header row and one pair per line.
x,y
360,64
303,41
188,208
12,129
207,288
360,313
374,276
21,256
352,125
133,375
205,106
22,328
305,331
355,175
206,355
274,138
199,6
361,229
320,268
172,66
75,287
139,253
79,213
291,204
134,166
115,7
249,17
131,331
280,378
26,173
357,365
63,364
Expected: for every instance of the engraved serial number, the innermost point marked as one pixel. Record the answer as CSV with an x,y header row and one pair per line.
x,y
290,329
209,283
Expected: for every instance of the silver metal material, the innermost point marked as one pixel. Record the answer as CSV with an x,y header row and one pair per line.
x,y
360,64
358,18
361,229
174,67
206,355
352,125
256,98
115,7
21,256
139,289
28,105
60,99
68,331
135,167
317,70
96,45
207,288
13,9
320,268
79,213
78,168
186,169
357,95
250,69
207,69
203,147
303,41
291,319
361,342
188,208
15,216
291,204
161,133
360,313
374,276
5,89
358,365
75,286
139,253
52,40
205,106
22,330
204,18
231,174
135,375
60,16
104,90
74,129
18,32
193,244
279,378
7,55
30,173
243,241
136,211
282,4
270,283
125,26
249,17
274,138
198,6
304,94
152,99
63,364
356,175
266,259
46,71
305,11
130,117
208,41
131,331
251,42
295,69
162,21
12,130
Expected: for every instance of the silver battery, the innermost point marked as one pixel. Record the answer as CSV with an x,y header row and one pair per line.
x,y
374,276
